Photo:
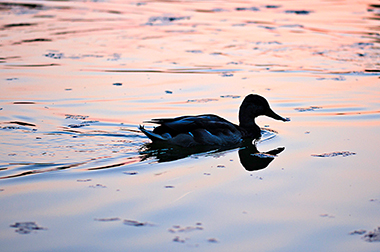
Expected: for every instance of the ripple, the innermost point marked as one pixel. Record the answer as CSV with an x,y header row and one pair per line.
x,y
311,108
165,20
298,12
7,26
32,65
204,100
195,70
335,154
247,9
32,41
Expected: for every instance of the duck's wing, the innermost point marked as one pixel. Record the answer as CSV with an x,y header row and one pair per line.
x,y
184,124
178,124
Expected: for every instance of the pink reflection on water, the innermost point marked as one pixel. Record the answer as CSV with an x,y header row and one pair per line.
x,y
63,58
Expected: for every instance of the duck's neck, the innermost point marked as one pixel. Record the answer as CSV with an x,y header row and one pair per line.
x,y
251,130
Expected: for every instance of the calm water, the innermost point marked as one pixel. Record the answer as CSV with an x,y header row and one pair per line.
x,y
78,77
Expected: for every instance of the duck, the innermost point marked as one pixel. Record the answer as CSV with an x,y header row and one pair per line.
x,y
212,130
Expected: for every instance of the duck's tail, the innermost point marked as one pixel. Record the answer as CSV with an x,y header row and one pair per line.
x,y
152,136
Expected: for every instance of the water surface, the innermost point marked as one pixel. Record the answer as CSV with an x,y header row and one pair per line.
x,y
78,77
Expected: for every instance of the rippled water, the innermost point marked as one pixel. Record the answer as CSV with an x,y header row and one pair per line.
x,y
78,77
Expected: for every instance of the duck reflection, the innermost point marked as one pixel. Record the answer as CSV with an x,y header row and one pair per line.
x,y
250,157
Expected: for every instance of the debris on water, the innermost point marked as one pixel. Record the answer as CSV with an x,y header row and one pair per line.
x,y
212,240
372,236
298,12
114,57
358,232
136,223
169,186
84,180
268,28
335,154
160,173
327,216
178,239
76,117
9,127
117,84
90,121
340,78
107,219
168,92
164,20
202,100
194,51
80,125
179,229
266,43
230,96
363,44
311,108
131,172
206,173
24,129
26,227
98,186
272,6
247,9
141,3
212,10
226,74
54,55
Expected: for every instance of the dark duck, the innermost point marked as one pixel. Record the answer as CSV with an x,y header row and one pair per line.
x,y
208,129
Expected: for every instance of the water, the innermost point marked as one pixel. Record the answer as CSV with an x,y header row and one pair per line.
x,y
78,77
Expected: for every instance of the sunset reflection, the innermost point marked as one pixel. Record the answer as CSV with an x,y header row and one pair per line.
x,y
79,77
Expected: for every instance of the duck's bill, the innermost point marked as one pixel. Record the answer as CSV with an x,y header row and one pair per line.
x,y
275,116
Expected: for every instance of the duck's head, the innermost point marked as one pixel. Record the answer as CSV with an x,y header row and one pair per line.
x,y
253,106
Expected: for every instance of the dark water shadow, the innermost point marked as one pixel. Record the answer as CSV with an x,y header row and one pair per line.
x,y
250,157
